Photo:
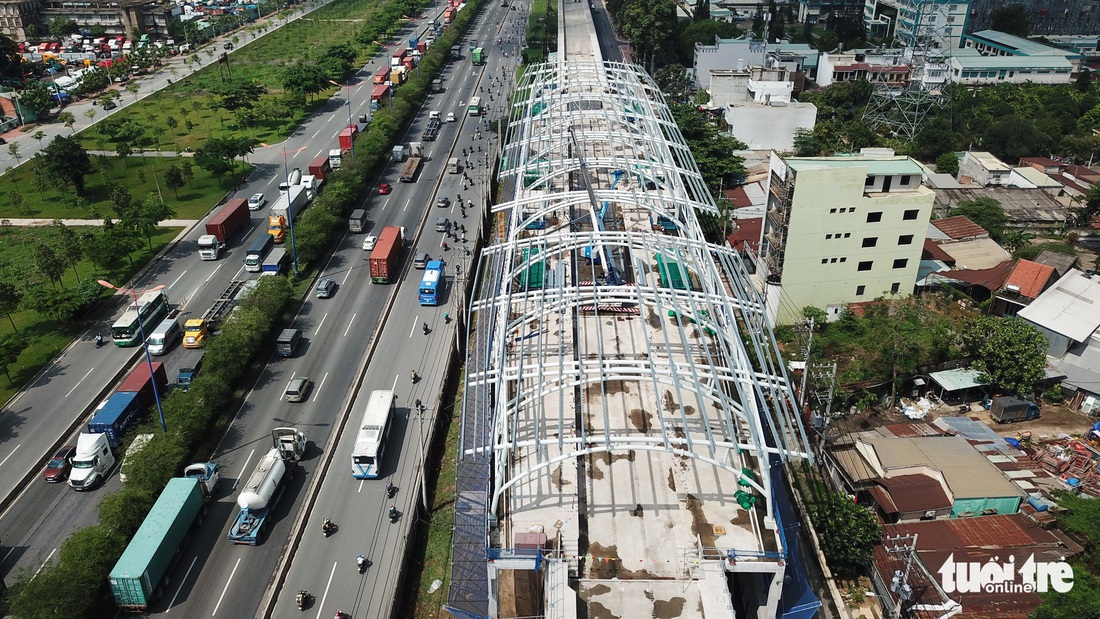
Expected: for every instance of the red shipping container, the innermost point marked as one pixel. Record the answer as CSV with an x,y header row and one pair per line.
x,y
138,382
347,136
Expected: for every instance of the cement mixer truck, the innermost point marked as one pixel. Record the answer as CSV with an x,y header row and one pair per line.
x,y
264,488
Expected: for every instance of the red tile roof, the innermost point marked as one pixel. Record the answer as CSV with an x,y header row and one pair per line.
x,y
914,493
959,227
748,232
1031,277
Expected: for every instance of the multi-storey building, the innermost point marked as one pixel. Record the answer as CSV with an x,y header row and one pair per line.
x,y
841,230
929,23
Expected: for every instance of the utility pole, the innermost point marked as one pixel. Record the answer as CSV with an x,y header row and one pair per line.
x,y
901,545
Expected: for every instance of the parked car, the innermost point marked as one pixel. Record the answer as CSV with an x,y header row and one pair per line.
x,y
326,288
60,465
384,188
227,46
256,202
297,389
109,105
368,243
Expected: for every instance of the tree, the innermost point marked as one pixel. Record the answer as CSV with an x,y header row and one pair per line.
x,y
68,119
216,154
10,297
847,531
1012,137
36,96
69,246
124,149
148,216
61,27
702,10
237,95
1009,353
306,79
1011,19
674,81
13,150
174,179
11,346
48,263
64,161
986,212
947,163
1083,83
1083,600
808,144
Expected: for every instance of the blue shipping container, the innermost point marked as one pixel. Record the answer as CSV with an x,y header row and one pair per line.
x,y
115,416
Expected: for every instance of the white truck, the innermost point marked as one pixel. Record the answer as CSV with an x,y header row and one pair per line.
x,y
334,157
92,462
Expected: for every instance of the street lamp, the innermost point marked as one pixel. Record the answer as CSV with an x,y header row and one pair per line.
x,y
144,343
289,211
349,86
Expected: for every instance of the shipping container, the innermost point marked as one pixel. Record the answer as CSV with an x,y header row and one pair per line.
x,y
383,258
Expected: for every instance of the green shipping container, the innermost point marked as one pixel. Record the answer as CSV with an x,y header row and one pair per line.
x,y
477,56
135,579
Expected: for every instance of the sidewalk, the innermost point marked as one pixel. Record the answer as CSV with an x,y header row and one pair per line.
x,y
168,223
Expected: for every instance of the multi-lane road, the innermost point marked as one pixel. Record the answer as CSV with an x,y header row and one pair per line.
x,y
214,576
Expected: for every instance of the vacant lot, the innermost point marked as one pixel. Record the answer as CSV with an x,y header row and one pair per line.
x,y
142,176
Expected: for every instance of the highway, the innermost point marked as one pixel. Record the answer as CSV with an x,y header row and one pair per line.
x,y
41,418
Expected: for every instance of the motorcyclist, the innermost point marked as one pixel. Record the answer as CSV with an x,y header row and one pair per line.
x,y
393,513
361,561
300,599
425,328
412,375
98,340
327,526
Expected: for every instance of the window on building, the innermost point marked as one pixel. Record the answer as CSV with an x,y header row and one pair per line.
x,y
859,290
865,265
847,234
904,182
900,263
832,211
905,239
828,236
842,260
824,261
833,261
895,287
874,218
910,214
870,181
870,241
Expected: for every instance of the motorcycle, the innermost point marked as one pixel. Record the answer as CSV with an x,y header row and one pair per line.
x,y
446,318
391,489
361,561
394,514
98,341
426,330
413,376
328,527
340,614
301,599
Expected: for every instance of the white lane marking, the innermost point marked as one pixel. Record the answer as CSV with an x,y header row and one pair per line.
x,y
274,178
407,203
174,282
328,586
337,134
347,274
394,385
412,331
43,566
320,152
180,588
243,469
320,323
10,453
220,597
77,384
208,278
361,483
315,134
349,324
317,391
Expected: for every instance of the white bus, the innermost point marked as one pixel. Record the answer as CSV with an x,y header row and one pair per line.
x,y
370,441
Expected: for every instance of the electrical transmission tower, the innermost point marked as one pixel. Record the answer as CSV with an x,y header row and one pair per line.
x,y
902,110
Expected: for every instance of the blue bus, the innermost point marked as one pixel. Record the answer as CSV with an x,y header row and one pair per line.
x,y
429,286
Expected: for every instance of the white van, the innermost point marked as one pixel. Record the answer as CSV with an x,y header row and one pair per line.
x,y
139,443
164,336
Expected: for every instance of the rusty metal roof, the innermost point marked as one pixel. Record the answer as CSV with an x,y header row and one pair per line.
x,y
913,493
960,228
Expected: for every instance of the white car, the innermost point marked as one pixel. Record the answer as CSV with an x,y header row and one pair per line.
x,y
450,117
368,243
256,202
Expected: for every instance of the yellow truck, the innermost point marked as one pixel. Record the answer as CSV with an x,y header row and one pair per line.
x,y
196,330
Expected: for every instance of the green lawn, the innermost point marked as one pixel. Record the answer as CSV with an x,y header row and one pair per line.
x,y
261,61
47,337
140,175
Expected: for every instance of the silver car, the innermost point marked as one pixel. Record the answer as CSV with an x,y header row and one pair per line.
x,y
326,288
297,389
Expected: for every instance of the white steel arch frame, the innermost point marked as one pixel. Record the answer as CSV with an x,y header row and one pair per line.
x,y
575,132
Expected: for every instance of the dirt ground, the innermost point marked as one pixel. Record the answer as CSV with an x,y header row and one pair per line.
x,y
1055,420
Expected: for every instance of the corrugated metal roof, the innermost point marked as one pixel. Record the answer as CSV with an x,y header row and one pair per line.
x,y
874,165
912,493
961,378
969,475
1069,307
959,227
1061,262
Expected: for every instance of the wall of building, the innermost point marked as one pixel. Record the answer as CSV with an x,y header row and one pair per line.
x,y
980,76
1044,16
834,255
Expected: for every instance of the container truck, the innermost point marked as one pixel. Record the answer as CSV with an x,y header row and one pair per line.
x,y
379,96
335,157
347,136
320,168
142,384
277,262
137,580
408,172
358,220
1008,409
382,75
437,85
230,218
286,207
94,459
115,416
196,330
265,486
477,56
383,258
399,153
258,250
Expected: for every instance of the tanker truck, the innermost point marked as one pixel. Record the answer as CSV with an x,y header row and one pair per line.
x,y
264,488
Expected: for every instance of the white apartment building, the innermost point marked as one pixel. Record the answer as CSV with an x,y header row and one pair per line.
x,y
841,230
941,21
